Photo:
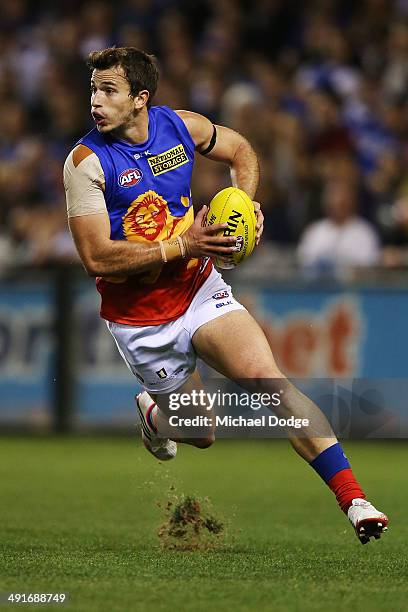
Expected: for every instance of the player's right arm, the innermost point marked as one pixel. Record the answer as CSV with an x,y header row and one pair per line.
x,y
90,226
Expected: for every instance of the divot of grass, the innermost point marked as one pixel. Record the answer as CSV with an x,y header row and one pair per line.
x,y
190,523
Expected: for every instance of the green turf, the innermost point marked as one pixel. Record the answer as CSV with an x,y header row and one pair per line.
x,y
80,516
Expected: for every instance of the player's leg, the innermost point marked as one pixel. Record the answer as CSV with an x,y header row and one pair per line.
x,y
164,410
163,359
219,341
162,428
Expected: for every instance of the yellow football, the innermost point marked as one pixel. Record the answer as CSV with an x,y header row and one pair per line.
x,y
234,207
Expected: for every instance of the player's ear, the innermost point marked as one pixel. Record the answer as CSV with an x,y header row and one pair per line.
x,y
141,99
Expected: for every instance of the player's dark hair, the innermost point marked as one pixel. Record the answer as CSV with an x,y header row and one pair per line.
x,y
139,67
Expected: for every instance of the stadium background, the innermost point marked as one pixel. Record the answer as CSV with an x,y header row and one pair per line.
x,y
320,89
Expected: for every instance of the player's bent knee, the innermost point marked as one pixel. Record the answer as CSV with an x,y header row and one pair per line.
x,y
204,442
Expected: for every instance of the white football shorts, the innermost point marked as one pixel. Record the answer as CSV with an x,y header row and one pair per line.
x,y
162,357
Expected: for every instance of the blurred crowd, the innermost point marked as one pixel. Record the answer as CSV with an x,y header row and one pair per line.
x,y
318,87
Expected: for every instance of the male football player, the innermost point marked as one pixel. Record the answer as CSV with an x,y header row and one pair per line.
x,y
130,212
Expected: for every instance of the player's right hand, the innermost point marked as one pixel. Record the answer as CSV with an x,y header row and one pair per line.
x,y
200,240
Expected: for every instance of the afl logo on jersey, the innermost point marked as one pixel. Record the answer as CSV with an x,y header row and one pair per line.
x,y
130,177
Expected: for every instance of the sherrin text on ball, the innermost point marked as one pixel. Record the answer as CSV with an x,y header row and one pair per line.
x,y
234,207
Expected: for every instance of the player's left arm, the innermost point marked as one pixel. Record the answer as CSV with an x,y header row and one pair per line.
x,y
225,145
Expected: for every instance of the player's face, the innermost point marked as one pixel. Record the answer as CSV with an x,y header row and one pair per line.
x,y
112,106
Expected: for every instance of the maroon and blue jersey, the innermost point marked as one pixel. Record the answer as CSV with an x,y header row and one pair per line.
x,y
148,197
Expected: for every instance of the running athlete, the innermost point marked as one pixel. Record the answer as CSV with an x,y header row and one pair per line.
x,y
131,215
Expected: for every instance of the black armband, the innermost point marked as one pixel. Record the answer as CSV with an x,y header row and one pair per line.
x,y
212,142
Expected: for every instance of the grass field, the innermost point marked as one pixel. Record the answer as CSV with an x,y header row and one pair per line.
x,y
80,516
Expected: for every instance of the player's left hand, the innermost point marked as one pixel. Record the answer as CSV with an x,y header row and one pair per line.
x,y
259,222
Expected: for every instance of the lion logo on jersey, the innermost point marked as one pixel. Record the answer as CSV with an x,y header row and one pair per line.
x,y
147,217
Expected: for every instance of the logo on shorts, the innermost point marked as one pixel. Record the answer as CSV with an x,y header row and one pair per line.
x,y
220,295
221,304
130,177
161,373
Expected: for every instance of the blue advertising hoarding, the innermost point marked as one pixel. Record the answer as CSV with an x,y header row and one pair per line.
x,y
330,332
26,353
314,333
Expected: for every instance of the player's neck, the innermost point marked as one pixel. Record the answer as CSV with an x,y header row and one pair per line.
x,y
137,132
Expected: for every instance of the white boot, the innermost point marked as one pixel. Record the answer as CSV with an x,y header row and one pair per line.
x,y
162,448
367,521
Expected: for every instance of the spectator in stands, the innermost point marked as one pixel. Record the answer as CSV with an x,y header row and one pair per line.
x,y
342,239
318,87
394,224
